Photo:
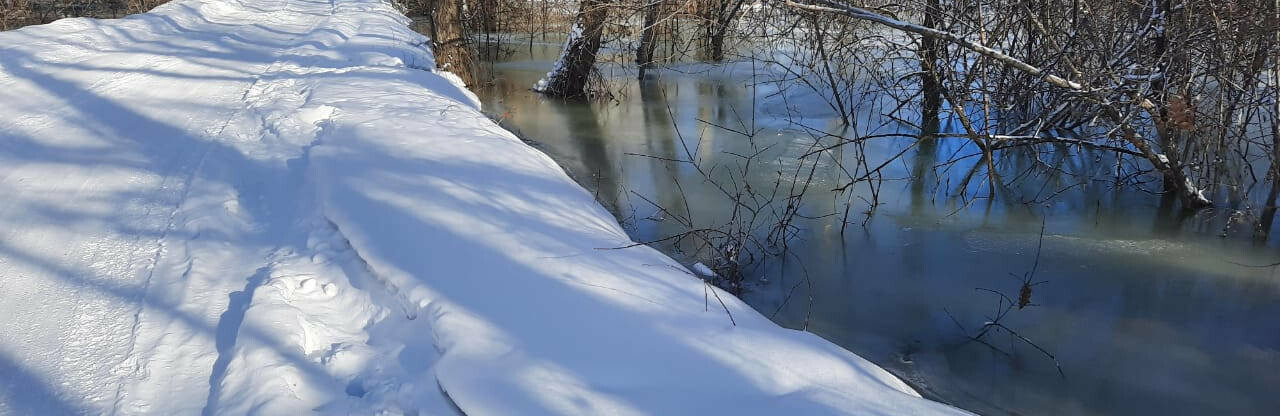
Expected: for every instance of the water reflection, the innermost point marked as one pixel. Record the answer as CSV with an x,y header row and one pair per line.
x,y
661,141
588,139
1143,306
922,169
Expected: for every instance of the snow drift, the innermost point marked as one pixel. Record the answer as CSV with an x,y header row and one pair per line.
x,y
270,207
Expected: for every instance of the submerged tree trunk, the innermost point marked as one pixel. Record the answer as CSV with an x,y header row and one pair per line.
x,y
452,52
930,84
1268,215
1159,51
715,44
718,17
487,14
1269,205
648,36
569,76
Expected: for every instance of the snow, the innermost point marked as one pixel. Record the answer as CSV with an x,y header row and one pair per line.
x,y
703,270
234,207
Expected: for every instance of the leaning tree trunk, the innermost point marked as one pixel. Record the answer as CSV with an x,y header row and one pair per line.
x,y
648,36
568,78
450,43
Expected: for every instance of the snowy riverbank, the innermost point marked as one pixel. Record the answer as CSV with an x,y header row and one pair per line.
x,y
227,207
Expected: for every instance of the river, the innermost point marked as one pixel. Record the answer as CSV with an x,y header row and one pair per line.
x,y
1147,310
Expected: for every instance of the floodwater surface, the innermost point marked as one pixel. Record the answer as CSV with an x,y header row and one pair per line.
x,y
1146,309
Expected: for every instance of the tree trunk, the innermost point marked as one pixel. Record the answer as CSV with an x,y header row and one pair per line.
x,y
1268,215
568,78
487,12
1159,94
452,51
719,16
930,85
1269,205
715,45
648,36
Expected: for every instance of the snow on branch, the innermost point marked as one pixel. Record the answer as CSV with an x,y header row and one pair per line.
x,y
832,6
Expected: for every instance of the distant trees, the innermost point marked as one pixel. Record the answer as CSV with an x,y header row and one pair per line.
x,y
717,18
18,13
569,77
653,10
13,13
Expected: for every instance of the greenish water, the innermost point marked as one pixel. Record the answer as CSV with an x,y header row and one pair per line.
x,y
1144,306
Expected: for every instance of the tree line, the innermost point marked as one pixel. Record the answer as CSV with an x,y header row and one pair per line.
x,y
18,13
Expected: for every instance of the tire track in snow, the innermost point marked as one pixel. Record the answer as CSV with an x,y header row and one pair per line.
x,y
158,270
347,359
115,262
131,359
177,176
259,94
280,105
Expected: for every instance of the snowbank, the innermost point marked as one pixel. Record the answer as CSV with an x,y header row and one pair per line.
x,y
228,207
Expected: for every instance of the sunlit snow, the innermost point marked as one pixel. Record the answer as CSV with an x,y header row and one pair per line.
x,y
259,207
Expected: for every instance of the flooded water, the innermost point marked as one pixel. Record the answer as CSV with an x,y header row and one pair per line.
x,y
1147,310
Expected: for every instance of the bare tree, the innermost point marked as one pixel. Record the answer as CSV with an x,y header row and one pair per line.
x,y
652,9
930,85
1178,92
1110,73
718,17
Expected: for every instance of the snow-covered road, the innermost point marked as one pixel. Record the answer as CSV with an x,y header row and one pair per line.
x,y
234,207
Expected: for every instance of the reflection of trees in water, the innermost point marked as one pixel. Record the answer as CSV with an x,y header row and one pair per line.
x,y
661,140
657,123
1268,215
588,139
921,171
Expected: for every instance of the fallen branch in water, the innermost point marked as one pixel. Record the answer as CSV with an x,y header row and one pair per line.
x,y
1005,305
